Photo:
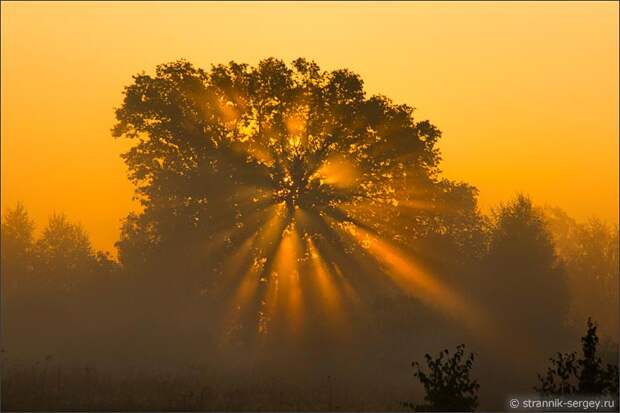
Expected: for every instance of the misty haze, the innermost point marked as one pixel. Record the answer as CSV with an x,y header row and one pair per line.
x,y
290,240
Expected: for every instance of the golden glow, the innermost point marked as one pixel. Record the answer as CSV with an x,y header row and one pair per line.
x,y
296,125
228,112
337,172
333,289
324,280
284,295
417,204
525,93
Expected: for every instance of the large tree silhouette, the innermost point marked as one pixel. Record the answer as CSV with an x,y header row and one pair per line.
x,y
264,160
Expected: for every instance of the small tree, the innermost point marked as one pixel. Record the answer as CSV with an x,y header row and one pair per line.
x,y
17,238
16,245
522,267
587,375
64,255
448,384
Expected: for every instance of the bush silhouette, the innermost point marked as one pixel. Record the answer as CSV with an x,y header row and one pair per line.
x,y
569,375
447,384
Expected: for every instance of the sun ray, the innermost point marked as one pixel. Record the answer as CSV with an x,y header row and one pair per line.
x,y
332,251
246,267
327,287
415,280
283,302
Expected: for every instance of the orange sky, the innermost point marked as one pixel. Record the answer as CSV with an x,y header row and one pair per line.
x,y
525,93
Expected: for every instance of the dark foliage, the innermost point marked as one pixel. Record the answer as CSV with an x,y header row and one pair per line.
x,y
525,281
570,375
448,384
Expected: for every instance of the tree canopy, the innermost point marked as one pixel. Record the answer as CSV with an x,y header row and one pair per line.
x,y
217,146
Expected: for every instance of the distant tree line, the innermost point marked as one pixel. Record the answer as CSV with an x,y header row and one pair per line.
x,y
61,260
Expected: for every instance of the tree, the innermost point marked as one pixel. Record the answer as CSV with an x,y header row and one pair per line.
x,y
203,137
448,385
569,375
64,255
17,245
244,155
526,283
17,234
590,253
